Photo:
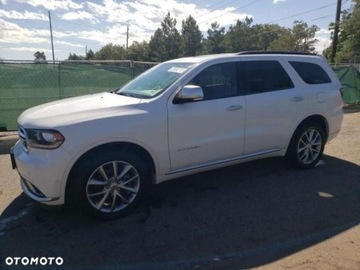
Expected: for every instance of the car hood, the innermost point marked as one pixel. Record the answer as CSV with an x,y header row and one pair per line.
x,y
77,109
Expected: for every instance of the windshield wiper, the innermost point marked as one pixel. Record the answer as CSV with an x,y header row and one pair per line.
x,y
127,94
113,91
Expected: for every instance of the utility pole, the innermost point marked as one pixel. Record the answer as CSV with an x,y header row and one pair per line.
x,y
127,37
336,31
52,41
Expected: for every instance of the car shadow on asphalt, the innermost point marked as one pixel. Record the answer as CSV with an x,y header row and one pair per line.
x,y
242,216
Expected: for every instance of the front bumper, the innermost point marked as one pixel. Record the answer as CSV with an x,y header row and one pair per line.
x,y
41,173
34,193
29,189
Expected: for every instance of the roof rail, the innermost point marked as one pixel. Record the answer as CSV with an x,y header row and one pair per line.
x,y
274,52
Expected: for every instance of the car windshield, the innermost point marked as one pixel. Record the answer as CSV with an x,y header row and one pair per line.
x,y
155,80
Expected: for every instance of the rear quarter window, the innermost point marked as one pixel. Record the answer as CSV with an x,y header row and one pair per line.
x,y
311,73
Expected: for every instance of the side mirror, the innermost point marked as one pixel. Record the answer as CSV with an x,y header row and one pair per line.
x,y
189,93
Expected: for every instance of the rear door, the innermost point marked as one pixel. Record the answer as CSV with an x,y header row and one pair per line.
x,y
273,105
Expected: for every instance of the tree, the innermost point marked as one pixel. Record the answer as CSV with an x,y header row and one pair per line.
x,y
90,55
138,51
110,52
301,38
165,44
157,46
214,43
39,57
267,33
74,56
190,37
171,37
348,48
241,37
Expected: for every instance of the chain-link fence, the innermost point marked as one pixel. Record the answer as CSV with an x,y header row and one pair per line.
x,y
24,84
341,65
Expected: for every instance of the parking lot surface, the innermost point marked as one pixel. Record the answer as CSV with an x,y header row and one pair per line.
x,y
261,215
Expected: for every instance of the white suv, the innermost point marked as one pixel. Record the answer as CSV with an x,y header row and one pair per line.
x,y
181,117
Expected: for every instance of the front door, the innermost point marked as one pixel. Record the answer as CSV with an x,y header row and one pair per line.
x,y
210,130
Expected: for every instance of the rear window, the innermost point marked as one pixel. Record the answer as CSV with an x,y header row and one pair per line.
x,y
311,73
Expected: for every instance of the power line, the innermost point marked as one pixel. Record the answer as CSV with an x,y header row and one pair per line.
x,y
285,18
253,2
216,8
302,13
200,11
322,17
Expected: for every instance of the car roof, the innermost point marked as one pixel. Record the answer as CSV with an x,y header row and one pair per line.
x,y
204,58
201,58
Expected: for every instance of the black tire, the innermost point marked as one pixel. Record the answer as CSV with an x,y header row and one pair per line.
x,y
306,146
102,194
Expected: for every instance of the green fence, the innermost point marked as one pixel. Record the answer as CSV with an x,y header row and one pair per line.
x,y
26,84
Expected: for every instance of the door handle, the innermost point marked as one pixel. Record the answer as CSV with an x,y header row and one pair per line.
x,y
234,108
297,99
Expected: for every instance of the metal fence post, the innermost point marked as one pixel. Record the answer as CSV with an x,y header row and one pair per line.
x,y
61,95
132,68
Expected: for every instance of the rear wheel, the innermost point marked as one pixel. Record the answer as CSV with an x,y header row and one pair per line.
x,y
111,184
306,146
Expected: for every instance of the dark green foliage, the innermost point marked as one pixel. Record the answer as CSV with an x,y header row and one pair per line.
x,y
241,37
138,51
157,47
301,38
348,48
167,43
190,37
74,56
214,43
39,57
110,52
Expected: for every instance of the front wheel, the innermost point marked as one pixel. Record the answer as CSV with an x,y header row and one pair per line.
x,y
110,184
306,146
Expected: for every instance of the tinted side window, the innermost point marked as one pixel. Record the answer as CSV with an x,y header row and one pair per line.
x,y
311,73
262,76
217,81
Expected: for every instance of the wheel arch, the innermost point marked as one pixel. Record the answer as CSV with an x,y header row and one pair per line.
x,y
319,119
293,152
134,148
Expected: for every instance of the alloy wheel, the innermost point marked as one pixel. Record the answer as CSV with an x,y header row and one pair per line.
x,y
113,186
309,146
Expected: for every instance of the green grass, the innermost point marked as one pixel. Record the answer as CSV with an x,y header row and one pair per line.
x,y
25,85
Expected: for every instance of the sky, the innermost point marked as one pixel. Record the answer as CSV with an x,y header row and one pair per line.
x,y
90,24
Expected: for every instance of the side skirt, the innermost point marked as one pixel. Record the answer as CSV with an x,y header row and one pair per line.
x,y
222,163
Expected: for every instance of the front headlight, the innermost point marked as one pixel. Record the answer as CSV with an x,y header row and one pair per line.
x,y
44,138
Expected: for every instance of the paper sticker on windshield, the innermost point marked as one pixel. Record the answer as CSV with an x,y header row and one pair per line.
x,y
177,70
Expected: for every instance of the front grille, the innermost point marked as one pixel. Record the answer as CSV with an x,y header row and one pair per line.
x,y
23,137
